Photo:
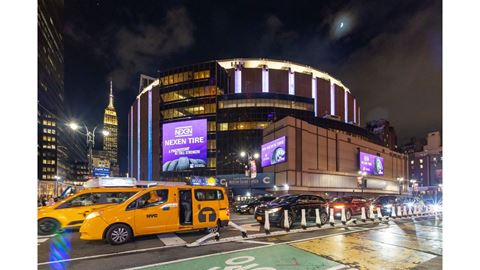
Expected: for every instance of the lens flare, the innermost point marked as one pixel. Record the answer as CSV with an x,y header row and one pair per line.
x,y
60,248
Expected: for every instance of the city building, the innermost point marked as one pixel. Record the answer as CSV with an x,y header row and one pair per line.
x,y
236,100
384,131
51,162
324,158
425,165
110,142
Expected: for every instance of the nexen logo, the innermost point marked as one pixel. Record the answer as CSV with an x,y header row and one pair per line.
x,y
183,131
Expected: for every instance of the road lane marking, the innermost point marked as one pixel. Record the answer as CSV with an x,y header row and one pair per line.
x,y
254,242
171,239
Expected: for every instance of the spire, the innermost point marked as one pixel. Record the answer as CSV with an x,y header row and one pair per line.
x,y
110,104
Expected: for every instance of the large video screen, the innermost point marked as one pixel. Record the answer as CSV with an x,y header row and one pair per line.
x,y
274,152
371,164
184,145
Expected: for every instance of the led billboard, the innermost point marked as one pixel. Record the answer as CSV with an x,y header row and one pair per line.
x,y
184,145
274,152
371,164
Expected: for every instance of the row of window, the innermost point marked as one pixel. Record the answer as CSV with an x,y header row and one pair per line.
x,y
185,76
212,162
212,144
48,138
242,125
49,123
188,111
48,169
49,131
190,93
48,161
48,176
48,146
259,102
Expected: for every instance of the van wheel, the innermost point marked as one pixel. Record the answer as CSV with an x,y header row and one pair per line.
x,y
47,226
118,234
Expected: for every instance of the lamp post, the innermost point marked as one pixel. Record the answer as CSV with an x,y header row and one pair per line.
x,y
90,140
249,157
400,180
363,179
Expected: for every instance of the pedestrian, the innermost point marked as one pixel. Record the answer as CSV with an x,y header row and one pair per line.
x,y
187,205
50,201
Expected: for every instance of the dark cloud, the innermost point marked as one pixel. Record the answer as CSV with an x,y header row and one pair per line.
x,y
398,75
136,50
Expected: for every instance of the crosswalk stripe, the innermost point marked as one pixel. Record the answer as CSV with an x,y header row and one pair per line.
x,y
171,239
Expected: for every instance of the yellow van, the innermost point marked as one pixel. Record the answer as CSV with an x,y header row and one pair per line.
x,y
159,209
71,211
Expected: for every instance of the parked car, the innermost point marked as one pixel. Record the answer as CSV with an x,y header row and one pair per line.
x,y
384,204
412,201
248,206
294,204
352,204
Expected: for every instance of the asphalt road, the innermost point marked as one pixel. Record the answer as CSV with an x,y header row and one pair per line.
x,y
413,243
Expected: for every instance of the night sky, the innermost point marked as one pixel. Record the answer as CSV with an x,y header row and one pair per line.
x,y
388,53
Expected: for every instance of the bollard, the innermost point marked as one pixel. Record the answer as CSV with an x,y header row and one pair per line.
x,y
392,214
379,215
410,214
332,220
266,225
317,218
415,209
399,211
405,214
364,216
304,220
286,225
372,215
344,219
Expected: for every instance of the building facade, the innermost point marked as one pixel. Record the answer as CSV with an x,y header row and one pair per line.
x,y
325,158
239,98
385,132
110,142
425,165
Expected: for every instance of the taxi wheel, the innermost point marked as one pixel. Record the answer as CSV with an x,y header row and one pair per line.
x,y
48,226
118,234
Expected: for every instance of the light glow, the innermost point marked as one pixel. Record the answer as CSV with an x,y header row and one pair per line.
x,y
238,80
332,98
291,83
314,94
73,125
345,98
138,138
150,135
265,80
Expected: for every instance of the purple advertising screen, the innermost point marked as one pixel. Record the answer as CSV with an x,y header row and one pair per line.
x,y
371,164
274,152
184,145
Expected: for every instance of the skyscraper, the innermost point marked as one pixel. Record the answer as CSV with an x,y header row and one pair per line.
x,y
110,142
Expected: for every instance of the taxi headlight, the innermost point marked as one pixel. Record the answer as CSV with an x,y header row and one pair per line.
x,y
93,215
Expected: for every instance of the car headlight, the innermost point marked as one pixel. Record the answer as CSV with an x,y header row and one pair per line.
x,y
243,206
93,215
388,206
273,210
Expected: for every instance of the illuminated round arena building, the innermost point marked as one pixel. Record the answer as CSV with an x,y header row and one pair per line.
x,y
207,119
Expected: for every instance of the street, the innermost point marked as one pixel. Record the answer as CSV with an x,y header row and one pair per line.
x,y
408,243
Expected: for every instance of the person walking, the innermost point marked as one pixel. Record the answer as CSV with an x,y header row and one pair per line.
x,y
187,206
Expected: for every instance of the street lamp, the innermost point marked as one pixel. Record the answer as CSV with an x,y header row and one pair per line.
x,y
249,157
400,180
90,139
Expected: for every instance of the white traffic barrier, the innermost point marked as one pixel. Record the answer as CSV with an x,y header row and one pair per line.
x,y
304,220
405,214
344,218
286,224
379,215
410,214
364,216
266,225
317,218
332,218
372,215
415,210
399,211
393,214
240,228
197,243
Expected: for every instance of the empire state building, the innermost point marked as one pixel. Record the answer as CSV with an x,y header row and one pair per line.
x,y
110,142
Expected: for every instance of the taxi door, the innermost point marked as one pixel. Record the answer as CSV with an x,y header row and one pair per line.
x,y
205,208
74,210
155,211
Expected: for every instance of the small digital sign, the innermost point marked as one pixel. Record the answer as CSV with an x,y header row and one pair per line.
x,y
101,171
184,145
371,164
274,152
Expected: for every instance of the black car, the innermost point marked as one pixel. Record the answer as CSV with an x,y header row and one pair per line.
x,y
249,205
294,204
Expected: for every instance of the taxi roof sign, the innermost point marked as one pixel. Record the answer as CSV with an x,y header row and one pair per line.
x,y
111,182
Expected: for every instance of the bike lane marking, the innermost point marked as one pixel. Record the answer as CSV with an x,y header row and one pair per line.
x,y
278,257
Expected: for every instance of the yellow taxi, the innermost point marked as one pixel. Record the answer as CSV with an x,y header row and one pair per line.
x,y
159,209
71,211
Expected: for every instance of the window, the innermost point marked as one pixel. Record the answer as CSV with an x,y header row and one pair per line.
x,y
421,166
421,160
82,200
208,194
111,197
152,198
303,199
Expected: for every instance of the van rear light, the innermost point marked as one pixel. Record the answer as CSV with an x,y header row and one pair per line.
x,y
228,212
